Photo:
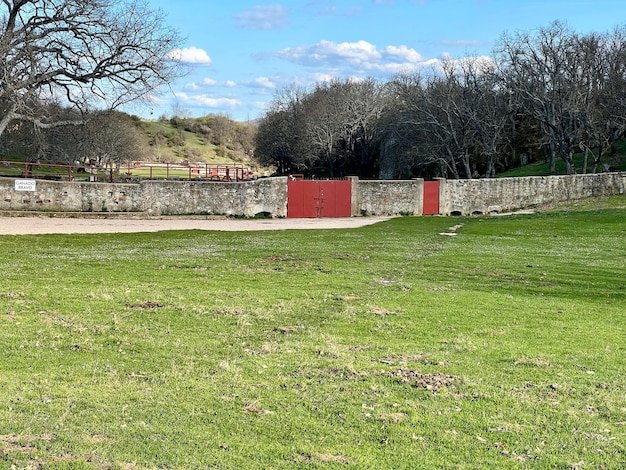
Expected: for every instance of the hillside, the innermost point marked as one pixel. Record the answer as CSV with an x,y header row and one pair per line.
x,y
209,139
117,136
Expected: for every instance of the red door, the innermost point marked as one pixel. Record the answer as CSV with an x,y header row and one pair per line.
x,y
318,198
431,198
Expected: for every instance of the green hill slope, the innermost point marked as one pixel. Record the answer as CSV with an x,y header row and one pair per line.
x,y
209,139
613,162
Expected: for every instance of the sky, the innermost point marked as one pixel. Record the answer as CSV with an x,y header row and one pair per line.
x,y
239,53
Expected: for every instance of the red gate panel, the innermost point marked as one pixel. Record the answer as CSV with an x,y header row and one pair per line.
x,y
295,198
319,198
431,198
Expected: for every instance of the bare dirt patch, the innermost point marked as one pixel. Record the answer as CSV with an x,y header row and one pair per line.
x,y
13,443
146,305
127,223
323,457
431,382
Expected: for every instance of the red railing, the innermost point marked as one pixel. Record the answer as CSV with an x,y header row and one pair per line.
x,y
48,170
134,170
206,171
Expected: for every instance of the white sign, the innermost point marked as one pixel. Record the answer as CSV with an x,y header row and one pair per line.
x,y
25,185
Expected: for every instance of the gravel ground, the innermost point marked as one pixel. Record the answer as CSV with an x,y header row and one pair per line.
x,y
44,224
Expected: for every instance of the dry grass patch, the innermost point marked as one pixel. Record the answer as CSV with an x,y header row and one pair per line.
x,y
98,439
382,312
20,443
321,457
420,358
532,361
14,295
288,329
392,417
228,311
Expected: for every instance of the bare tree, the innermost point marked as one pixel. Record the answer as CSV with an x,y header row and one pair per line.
x,y
487,109
547,72
325,122
605,65
361,106
330,129
105,137
108,138
81,53
432,108
276,142
550,89
406,140
280,138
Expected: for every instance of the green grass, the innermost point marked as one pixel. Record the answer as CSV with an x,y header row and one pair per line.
x,y
390,346
542,168
159,173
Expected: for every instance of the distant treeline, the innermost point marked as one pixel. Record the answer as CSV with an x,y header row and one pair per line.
x,y
548,94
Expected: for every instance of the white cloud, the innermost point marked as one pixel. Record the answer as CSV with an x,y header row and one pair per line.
x,y
191,55
404,52
206,101
322,77
328,52
262,17
210,82
263,82
355,57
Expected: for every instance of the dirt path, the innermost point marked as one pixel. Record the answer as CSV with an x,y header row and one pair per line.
x,y
45,224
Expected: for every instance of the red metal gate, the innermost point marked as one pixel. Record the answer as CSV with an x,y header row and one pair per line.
x,y
431,198
318,198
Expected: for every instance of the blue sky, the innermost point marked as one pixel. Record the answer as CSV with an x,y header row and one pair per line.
x,y
240,52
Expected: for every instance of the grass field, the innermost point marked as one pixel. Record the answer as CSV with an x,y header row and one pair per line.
x,y
389,346
616,161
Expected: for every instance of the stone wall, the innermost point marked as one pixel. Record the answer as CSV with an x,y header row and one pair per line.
x,y
387,197
485,196
248,198
269,195
63,196
244,199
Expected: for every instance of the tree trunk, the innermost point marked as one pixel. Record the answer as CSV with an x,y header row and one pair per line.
x,y
552,157
466,165
596,159
569,163
453,168
6,119
491,168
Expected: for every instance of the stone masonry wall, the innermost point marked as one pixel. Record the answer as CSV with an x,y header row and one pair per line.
x,y
62,196
248,198
269,195
387,197
485,196
151,197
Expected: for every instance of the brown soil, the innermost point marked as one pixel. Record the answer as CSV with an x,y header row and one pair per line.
x,y
24,224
